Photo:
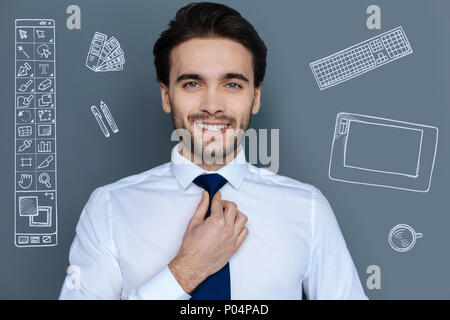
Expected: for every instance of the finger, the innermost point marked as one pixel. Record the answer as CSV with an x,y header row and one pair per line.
x,y
241,237
216,204
230,212
241,220
202,208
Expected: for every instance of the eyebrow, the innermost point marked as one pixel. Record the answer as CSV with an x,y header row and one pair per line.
x,y
195,76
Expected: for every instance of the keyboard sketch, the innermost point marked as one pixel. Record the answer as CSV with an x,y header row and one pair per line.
x,y
360,58
383,152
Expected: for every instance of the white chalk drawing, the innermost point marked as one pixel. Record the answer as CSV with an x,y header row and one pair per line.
x,y
109,118
100,122
43,51
43,67
25,116
28,205
25,86
46,162
45,85
35,220
50,194
360,58
23,34
44,146
44,178
383,152
44,211
25,131
24,69
105,54
26,162
26,180
46,100
21,49
44,130
40,34
45,115
402,237
35,214
24,101
26,144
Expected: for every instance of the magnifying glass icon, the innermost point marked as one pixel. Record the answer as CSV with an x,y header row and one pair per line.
x,y
44,178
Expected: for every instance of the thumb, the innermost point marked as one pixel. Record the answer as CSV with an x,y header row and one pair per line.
x,y
202,208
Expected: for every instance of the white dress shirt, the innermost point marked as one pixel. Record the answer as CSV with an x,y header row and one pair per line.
x,y
130,230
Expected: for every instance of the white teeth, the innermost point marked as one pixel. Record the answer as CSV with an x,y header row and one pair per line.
x,y
212,127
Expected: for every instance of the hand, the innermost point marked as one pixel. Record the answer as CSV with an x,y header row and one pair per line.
x,y
208,244
25,181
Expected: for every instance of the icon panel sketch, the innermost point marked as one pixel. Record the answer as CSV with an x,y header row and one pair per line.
x,y
105,54
402,237
360,58
35,134
383,152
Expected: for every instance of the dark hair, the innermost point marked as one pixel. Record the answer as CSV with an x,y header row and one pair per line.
x,y
208,20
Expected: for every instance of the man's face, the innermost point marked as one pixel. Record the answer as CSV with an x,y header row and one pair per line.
x,y
211,93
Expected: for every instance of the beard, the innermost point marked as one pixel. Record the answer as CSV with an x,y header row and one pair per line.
x,y
218,148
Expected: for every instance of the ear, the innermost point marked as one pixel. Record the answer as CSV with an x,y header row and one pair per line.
x,y
165,98
257,100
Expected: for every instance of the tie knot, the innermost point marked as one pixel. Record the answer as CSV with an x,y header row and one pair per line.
x,y
211,182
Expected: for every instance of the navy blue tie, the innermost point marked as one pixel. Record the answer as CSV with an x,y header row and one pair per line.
x,y
217,285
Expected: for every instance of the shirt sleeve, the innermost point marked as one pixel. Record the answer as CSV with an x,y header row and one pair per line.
x,y
93,254
94,263
332,274
162,286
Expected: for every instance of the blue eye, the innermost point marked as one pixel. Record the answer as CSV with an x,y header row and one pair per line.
x,y
191,84
234,85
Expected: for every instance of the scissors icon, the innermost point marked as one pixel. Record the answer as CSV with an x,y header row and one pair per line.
x,y
44,178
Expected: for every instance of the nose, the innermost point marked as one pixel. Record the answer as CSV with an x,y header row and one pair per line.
x,y
212,102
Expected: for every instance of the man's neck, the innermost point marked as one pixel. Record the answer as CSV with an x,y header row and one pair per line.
x,y
208,167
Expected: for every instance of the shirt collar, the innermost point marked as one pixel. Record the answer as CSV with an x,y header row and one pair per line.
x,y
185,171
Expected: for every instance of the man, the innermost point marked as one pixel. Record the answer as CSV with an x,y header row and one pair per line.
x,y
169,233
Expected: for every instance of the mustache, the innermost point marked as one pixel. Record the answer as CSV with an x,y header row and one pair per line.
x,y
202,116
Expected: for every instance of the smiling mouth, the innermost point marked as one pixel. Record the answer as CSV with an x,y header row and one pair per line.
x,y
218,127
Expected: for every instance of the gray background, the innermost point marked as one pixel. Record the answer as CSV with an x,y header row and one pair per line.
x,y
413,89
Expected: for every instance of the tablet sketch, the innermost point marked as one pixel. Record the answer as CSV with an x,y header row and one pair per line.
x,y
383,152
35,220
360,58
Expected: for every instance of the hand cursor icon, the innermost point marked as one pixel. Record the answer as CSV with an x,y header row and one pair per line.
x,y
26,180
